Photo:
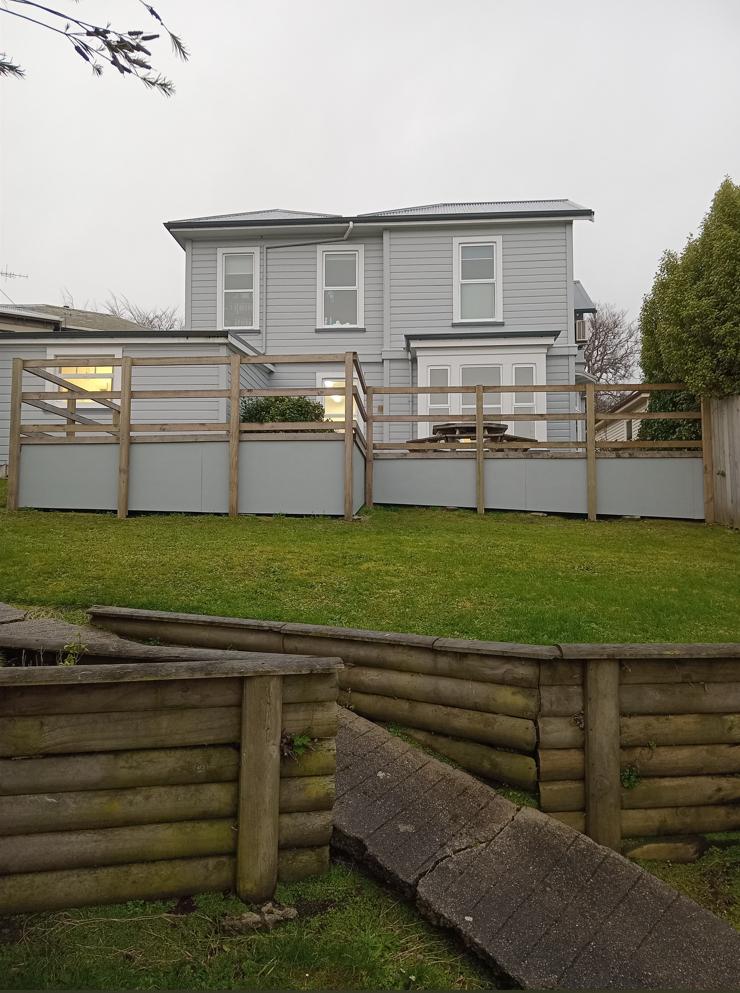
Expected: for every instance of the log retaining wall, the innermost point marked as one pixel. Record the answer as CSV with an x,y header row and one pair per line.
x,y
153,780
652,749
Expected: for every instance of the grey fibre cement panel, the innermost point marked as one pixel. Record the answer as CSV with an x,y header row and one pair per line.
x,y
187,477
643,487
69,477
291,477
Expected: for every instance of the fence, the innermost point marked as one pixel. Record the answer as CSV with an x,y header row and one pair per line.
x,y
123,432
289,471
725,469
620,740
483,447
148,780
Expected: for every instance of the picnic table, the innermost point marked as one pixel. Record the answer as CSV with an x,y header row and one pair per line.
x,y
464,431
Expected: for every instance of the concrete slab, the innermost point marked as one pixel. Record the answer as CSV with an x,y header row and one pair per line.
x,y
543,904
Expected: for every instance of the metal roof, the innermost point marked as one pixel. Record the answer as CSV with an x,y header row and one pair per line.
x,y
490,208
581,300
495,209
250,216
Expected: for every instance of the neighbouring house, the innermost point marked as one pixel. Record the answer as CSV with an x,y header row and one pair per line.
x,y
442,295
627,425
38,331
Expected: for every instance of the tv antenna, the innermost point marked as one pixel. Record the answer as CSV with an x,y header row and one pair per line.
x,y
7,274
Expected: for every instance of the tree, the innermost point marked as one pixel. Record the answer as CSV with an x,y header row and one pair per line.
x,y
157,318
610,354
98,44
690,320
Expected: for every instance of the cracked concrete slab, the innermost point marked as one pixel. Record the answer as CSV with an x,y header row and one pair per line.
x,y
543,904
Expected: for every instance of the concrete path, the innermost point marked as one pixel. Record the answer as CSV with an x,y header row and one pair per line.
x,y
543,904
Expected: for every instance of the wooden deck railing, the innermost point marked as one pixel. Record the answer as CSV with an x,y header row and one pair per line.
x,y
122,430
481,445
358,425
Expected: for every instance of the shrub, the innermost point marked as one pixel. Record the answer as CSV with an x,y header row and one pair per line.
x,y
264,410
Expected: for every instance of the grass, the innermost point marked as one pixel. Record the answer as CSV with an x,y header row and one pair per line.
x,y
504,577
350,934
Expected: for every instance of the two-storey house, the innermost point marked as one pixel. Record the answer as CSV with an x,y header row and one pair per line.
x,y
441,295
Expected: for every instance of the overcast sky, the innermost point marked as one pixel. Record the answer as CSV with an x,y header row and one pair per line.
x,y
631,108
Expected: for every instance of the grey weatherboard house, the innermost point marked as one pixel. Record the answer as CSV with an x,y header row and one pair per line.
x,y
445,294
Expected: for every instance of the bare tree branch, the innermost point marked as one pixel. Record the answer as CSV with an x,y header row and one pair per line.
x,y
97,44
157,318
610,354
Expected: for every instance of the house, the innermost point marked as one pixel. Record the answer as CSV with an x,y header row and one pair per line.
x,y
47,317
440,295
45,332
627,426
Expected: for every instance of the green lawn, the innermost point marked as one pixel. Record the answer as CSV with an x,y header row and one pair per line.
x,y
505,577
350,934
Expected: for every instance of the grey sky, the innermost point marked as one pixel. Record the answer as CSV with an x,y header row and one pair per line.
x,y
630,108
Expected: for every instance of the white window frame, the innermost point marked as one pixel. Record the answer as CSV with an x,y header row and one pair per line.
x,y
516,405
505,353
253,250
70,353
321,376
430,397
321,251
498,282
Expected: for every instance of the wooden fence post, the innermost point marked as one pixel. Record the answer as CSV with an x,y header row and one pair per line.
x,y
480,464
259,788
234,423
124,437
707,451
601,731
349,406
369,401
14,455
71,409
591,491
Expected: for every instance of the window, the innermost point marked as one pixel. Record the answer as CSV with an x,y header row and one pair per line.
x,y
481,375
238,280
477,275
334,402
340,300
439,403
523,402
94,378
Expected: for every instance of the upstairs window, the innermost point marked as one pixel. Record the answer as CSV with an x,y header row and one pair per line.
x,y
340,287
477,274
238,278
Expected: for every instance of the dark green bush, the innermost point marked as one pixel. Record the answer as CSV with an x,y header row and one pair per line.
x,y
263,410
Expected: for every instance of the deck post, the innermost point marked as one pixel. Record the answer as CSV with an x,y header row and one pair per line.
x,y
14,455
707,451
369,401
349,406
234,423
480,465
124,437
601,731
71,410
591,493
259,788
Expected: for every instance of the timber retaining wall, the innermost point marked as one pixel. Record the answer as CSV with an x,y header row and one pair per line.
x,y
148,780
619,740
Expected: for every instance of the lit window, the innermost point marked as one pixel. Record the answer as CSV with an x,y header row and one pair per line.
x,y
334,402
340,296
477,295
93,378
239,290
